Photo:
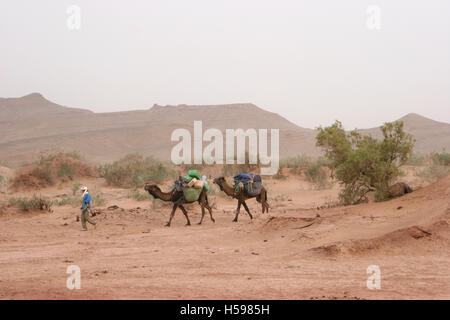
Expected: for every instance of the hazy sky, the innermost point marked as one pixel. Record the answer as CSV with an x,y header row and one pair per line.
x,y
310,61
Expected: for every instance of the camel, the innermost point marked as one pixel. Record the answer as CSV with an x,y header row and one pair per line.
x,y
398,189
176,196
241,196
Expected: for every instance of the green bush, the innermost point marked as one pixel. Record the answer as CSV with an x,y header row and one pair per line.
x,y
433,172
98,200
64,170
76,187
442,159
134,170
316,174
75,154
296,164
73,201
279,175
362,163
46,157
76,202
311,167
323,161
33,203
44,173
417,159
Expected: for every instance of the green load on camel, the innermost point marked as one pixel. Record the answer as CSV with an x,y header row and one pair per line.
x,y
191,174
194,185
191,194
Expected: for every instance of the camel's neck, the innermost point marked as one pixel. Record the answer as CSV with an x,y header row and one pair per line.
x,y
165,196
229,190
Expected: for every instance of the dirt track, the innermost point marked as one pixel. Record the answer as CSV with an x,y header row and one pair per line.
x,y
286,254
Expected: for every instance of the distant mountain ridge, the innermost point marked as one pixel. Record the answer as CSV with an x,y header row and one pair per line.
x,y
430,135
32,124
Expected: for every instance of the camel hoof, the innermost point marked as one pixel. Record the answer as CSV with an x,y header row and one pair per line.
x,y
199,223
234,220
213,220
187,224
167,225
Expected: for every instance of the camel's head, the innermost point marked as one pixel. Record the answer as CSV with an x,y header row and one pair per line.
x,y
151,187
219,181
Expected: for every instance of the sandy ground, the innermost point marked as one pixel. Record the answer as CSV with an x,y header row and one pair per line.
x,y
289,253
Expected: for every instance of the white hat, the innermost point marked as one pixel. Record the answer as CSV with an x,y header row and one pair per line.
x,y
84,188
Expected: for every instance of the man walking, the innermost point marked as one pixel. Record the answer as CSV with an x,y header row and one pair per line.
x,y
85,209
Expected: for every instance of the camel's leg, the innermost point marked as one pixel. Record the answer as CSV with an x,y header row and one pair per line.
x,y
203,213
188,223
237,211
263,199
203,199
209,209
246,209
210,212
260,198
175,205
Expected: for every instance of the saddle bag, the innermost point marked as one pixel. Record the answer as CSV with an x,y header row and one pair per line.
x,y
191,194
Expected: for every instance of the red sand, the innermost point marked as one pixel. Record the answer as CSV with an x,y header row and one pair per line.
x,y
131,255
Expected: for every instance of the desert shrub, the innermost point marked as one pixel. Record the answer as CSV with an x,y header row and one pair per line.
x,y
75,154
134,170
362,163
33,203
44,173
296,164
73,201
139,196
442,159
48,156
316,174
279,175
49,169
76,187
98,200
417,159
4,163
323,161
312,168
65,170
433,172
